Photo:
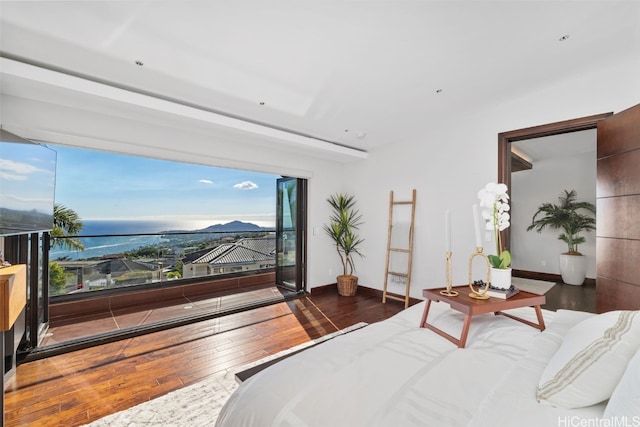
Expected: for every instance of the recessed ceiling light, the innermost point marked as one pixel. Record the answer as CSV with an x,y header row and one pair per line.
x,y
563,38
140,63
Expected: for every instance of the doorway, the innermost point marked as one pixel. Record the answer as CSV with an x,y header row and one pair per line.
x,y
537,134
555,163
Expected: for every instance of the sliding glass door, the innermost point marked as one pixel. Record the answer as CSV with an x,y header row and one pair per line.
x,y
290,233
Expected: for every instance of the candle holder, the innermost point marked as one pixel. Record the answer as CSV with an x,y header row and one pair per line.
x,y
480,293
448,292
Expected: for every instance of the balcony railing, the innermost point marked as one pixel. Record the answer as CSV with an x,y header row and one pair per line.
x,y
125,260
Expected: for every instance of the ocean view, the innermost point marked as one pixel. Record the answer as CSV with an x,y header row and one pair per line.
x,y
99,246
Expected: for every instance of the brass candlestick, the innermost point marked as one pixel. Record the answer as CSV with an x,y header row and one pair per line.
x,y
480,293
448,268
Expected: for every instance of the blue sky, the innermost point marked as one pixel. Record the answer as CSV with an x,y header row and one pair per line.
x,y
102,185
27,177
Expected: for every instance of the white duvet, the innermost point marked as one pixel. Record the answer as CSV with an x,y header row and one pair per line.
x,y
393,373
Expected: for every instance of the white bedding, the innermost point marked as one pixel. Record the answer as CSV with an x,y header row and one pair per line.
x,y
393,373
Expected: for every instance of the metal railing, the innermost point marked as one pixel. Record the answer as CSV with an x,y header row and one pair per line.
x,y
124,260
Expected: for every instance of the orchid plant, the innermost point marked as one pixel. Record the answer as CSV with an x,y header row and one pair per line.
x,y
494,202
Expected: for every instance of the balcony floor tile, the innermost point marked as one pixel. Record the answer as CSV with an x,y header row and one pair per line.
x,y
81,326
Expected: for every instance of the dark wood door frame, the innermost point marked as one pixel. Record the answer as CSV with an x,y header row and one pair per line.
x,y
506,138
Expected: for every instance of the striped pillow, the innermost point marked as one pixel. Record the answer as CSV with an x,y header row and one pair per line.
x,y
591,360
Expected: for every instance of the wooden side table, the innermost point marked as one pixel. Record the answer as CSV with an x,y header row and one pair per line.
x,y
471,307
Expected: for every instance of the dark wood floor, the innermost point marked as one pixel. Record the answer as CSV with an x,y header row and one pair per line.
x,y
82,386
571,297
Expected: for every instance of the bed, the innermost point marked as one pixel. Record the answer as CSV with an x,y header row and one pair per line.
x,y
583,366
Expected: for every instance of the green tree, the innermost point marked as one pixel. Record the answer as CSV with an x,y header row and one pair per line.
x,y
174,275
179,266
66,222
57,278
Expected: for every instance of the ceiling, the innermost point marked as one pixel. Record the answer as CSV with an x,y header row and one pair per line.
x,y
556,146
354,74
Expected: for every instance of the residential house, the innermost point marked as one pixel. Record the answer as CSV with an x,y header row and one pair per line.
x,y
107,273
244,255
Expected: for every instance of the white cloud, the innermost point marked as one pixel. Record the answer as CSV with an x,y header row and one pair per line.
x,y
12,177
15,171
246,185
206,181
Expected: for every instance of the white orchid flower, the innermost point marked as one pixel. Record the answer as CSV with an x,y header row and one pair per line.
x,y
494,202
503,221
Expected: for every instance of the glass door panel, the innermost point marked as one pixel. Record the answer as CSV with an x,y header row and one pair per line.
x,y
289,233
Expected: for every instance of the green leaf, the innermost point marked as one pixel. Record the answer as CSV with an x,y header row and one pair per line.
x,y
494,260
502,261
505,259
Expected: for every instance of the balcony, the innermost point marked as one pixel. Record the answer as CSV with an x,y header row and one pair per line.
x,y
170,279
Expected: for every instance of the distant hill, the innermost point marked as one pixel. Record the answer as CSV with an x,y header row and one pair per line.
x,y
234,226
229,227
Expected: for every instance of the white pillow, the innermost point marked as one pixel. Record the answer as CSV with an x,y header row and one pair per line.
x,y
591,360
625,400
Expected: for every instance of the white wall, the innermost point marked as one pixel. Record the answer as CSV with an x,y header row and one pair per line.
x,y
538,252
454,159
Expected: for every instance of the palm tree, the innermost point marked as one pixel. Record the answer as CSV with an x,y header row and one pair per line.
x,y
66,222
566,218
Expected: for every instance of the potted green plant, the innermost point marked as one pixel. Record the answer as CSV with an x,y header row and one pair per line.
x,y
342,229
571,217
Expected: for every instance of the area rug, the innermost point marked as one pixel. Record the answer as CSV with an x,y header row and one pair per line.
x,y
539,287
198,404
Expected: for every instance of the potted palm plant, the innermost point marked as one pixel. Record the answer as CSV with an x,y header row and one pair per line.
x,y
571,217
342,228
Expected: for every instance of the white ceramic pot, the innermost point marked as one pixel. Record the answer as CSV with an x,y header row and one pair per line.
x,y
573,269
500,278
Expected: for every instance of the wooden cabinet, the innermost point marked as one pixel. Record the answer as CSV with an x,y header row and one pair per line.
x,y
13,298
13,294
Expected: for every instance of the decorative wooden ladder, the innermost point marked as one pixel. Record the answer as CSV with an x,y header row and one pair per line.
x,y
404,276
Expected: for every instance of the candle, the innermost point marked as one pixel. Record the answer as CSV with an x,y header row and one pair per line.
x,y
476,226
447,228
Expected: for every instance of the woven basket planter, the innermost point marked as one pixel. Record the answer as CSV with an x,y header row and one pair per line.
x,y
347,285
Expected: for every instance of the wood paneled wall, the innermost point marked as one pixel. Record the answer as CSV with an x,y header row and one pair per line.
x,y
618,212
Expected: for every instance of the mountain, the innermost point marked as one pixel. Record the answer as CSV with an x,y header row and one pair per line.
x,y
233,226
